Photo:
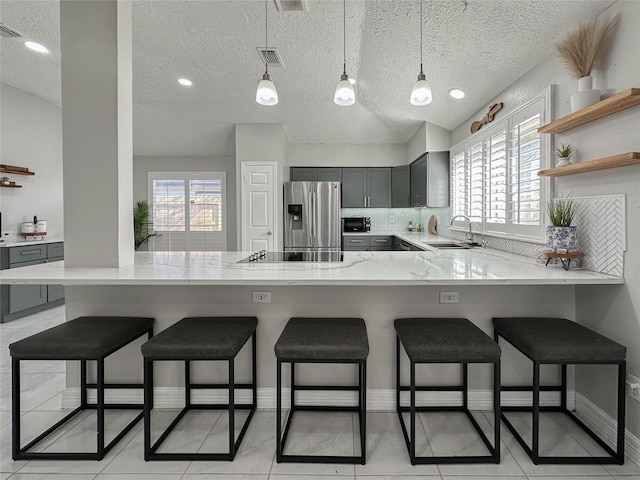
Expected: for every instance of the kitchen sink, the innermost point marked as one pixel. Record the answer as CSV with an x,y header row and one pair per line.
x,y
450,245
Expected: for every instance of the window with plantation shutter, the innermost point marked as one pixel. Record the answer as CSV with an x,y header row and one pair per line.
x,y
475,181
188,211
494,174
459,191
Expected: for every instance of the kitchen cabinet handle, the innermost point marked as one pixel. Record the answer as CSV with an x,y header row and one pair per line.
x,y
380,241
32,252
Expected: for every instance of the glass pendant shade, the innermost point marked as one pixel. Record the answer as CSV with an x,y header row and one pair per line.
x,y
345,95
421,93
266,93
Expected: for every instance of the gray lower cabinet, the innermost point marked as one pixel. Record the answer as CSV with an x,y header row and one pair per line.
x,y
364,243
430,180
400,186
355,243
380,242
19,300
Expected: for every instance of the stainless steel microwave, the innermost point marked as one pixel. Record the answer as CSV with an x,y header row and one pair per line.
x,y
356,224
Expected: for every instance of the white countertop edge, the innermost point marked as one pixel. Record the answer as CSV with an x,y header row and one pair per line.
x,y
14,242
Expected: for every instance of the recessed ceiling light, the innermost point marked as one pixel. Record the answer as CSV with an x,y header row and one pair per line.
x,y
456,93
36,47
185,82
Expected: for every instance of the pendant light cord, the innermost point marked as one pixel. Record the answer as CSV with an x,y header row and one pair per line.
x,y
266,39
421,41
344,35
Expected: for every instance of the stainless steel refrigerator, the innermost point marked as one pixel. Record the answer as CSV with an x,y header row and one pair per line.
x,y
312,216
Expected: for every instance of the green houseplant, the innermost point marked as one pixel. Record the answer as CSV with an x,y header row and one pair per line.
x,y
564,154
141,223
561,234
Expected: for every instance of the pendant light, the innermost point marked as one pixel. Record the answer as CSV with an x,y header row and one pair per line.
x,y
344,95
266,93
421,93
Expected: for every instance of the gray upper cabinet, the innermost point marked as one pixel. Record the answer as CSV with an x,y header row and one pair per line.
x,y
366,187
354,187
430,180
329,174
312,174
303,174
400,186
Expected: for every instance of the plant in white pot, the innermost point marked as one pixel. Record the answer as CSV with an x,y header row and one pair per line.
x,y
564,154
561,234
579,50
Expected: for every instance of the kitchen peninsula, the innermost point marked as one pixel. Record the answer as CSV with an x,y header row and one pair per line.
x,y
377,286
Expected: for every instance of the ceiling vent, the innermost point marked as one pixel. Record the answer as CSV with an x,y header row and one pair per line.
x,y
292,5
6,32
271,57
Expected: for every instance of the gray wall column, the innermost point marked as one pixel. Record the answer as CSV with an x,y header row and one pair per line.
x,y
97,132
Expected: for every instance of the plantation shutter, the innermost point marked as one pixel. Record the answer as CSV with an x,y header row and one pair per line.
x,y
475,181
496,179
458,183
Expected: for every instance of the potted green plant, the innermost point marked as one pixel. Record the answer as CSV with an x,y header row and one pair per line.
x,y
561,234
141,223
564,154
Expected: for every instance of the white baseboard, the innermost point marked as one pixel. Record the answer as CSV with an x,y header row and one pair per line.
x,y
606,427
377,399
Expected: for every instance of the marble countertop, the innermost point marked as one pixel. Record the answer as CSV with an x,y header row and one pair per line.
x,y
19,242
477,266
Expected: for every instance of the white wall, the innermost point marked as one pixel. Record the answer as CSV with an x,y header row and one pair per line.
x,y
347,155
31,136
613,311
428,138
143,165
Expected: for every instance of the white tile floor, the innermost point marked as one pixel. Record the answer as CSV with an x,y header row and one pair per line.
x,y
386,457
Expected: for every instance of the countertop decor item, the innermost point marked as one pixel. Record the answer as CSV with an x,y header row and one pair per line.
x,y
142,223
564,154
561,235
432,225
579,50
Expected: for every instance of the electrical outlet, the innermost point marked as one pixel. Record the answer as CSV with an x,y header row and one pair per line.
x,y
633,387
261,297
449,297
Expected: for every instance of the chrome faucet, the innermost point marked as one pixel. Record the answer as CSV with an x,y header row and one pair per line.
x,y
469,234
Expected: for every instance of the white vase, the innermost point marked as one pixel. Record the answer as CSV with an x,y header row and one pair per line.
x,y
585,95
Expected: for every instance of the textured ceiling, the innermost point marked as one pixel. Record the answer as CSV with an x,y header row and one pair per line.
x,y
479,46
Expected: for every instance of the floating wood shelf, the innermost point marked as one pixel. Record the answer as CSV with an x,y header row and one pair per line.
x,y
615,161
621,101
12,169
10,185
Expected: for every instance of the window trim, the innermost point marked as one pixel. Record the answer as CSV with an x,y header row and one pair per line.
x,y
513,232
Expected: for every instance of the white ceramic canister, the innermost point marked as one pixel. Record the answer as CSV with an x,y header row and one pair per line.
x,y
28,227
41,226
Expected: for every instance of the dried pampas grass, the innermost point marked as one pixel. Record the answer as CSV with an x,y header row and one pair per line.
x,y
579,48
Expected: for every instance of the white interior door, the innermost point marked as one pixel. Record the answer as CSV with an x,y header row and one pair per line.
x,y
259,201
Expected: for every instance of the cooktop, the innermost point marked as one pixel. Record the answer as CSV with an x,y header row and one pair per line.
x,y
278,257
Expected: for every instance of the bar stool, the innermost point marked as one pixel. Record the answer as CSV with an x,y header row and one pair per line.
x,y
561,342
446,340
322,340
201,339
84,339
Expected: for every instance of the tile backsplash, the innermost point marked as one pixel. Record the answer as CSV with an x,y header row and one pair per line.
x,y
600,221
393,219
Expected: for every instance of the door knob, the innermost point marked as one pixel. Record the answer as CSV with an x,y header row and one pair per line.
x,y
269,233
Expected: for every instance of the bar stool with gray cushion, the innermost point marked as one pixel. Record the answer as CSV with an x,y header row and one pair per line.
x,y
561,342
201,339
321,340
445,340
84,339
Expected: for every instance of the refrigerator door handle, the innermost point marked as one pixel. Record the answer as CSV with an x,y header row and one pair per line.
x,y
312,196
